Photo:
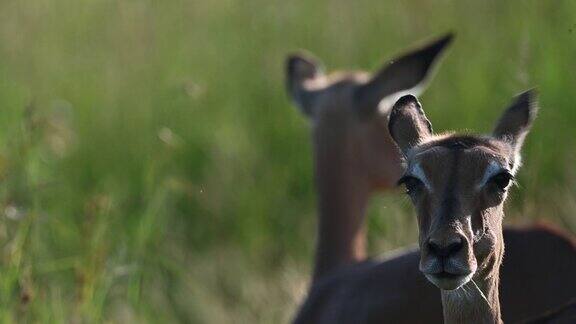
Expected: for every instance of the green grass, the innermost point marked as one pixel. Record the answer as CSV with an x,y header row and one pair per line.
x,y
153,170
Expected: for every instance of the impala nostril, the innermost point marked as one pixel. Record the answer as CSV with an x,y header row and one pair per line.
x,y
445,248
433,247
454,247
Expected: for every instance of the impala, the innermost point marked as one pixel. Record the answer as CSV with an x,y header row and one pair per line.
x,y
354,157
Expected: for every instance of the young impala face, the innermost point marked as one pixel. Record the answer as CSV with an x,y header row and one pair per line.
x,y
458,184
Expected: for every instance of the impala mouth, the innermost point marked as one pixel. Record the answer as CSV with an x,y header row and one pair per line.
x,y
447,280
447,275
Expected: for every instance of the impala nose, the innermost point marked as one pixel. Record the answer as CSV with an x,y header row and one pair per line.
x,y
445,248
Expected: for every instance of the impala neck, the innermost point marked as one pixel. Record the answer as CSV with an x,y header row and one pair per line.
x,y
342,198
477,301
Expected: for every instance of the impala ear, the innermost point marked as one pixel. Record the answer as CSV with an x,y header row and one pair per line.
x,y
407,74
515,122
301,69
408,124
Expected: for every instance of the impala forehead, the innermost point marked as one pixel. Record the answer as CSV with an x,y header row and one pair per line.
x,y
469,168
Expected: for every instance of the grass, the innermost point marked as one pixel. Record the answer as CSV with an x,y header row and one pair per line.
x,y
152,169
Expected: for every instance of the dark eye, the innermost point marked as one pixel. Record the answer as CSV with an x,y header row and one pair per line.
x,y
502,180
412,184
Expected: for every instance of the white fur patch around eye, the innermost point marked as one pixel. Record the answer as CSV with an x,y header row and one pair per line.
x,y
491,170
417,172
517,162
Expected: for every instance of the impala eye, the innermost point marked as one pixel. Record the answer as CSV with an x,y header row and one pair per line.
x,y
412,184
502,180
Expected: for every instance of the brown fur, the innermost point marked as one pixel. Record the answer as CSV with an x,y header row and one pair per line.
x,y
566,314
354,157
458,185
540,261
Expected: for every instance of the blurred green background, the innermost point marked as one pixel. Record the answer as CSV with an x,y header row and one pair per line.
x,y
152,168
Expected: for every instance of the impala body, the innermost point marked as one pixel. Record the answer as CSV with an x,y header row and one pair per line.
x,y
355,157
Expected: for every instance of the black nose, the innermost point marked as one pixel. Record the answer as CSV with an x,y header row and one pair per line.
x,y
445,248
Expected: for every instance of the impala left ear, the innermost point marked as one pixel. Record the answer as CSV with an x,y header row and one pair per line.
x,y
517,120
301,68
408,124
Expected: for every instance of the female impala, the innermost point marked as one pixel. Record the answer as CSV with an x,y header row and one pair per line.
x,y
458,184
355,157
353,153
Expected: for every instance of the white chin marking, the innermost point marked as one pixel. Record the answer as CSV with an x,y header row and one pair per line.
x,y
449,284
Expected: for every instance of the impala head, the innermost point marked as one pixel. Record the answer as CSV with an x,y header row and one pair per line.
x,y
458,184
349,110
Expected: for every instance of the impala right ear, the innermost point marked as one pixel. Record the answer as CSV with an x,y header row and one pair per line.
x,y
406,74
408,124
516,121
301,70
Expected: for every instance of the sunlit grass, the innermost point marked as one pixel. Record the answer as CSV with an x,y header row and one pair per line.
x,y
153,170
